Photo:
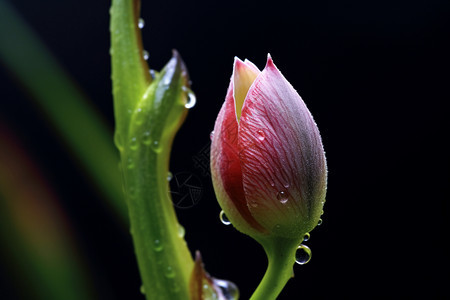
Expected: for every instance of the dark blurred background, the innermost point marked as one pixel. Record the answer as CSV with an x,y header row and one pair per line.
x,y
374,74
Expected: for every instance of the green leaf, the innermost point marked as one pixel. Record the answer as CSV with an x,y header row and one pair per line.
x,y
74,119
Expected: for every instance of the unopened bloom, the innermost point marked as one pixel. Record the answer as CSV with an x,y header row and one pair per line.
x,y
267,160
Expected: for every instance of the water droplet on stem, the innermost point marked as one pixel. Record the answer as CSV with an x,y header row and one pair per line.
x,y
158,245
146,138
169,176
130,163
141,23
181,231
169,272
145,54
133,143
156,146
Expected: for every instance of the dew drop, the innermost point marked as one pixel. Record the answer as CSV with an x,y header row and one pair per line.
x,y
224,218
211,135
229,290
142,289
158,245
138,116
319,222
302,255
306,237
283,197
191,99
141,23
146,138
208,292
133,143
181,231
145,54
169,272
156,146
130,163
260,135
169,176
152,73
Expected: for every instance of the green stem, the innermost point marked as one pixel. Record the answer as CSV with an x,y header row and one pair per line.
x,y
281,256
148,114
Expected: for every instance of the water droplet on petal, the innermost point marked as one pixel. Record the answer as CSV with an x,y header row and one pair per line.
x,y
211,135
169,272
283,197
141,23
133,143
229,290
306,237
224,218
145,54
142,289
319,222
302,255
191,99
158,245
260,135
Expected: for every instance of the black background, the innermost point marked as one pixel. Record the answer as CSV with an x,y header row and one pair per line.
x,y
374,74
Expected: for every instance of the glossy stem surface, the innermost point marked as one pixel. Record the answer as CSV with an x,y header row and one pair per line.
x,y
149,112
281,257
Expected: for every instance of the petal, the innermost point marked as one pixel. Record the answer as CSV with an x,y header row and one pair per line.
x,y
281,153
244,74
226,168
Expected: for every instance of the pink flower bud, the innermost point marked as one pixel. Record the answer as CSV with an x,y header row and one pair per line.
x,y
267,160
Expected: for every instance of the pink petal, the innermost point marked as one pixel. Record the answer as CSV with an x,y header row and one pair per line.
x,y
244,74
226,168
281,153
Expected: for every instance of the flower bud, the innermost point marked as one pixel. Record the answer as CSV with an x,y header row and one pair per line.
x,y
267,160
